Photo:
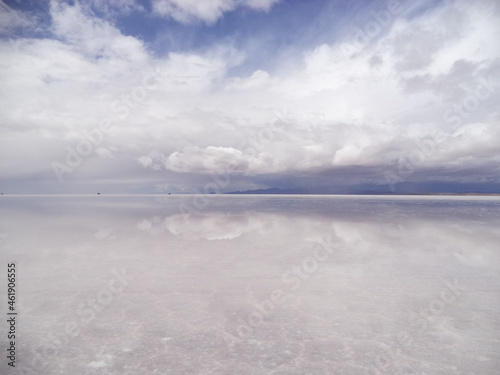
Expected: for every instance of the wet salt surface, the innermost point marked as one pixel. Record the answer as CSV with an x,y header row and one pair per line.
x,y
253,285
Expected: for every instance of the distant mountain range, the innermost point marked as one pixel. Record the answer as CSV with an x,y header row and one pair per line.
x,y
276,190
311,191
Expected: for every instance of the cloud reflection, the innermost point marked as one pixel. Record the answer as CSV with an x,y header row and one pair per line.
x,y
200,277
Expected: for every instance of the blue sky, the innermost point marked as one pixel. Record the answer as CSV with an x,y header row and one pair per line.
x,y
222,95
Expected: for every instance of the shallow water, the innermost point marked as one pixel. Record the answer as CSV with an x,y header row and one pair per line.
x,y
253,284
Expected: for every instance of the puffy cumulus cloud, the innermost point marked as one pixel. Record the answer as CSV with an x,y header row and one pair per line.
x,y
217,159
208,11
210,159
284,148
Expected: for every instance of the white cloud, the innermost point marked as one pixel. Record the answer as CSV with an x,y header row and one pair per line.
x,y
367,109
347,155
94,36
211,159
112,7
208,11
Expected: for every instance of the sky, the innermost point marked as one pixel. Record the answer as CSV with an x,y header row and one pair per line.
x,y
212,96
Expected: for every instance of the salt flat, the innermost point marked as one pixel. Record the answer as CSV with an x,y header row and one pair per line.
x,y
254,284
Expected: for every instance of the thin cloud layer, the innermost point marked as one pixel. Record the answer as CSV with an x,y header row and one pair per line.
x,y
406,92
209,11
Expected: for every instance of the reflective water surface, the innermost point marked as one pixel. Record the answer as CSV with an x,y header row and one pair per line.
x,y
253,285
